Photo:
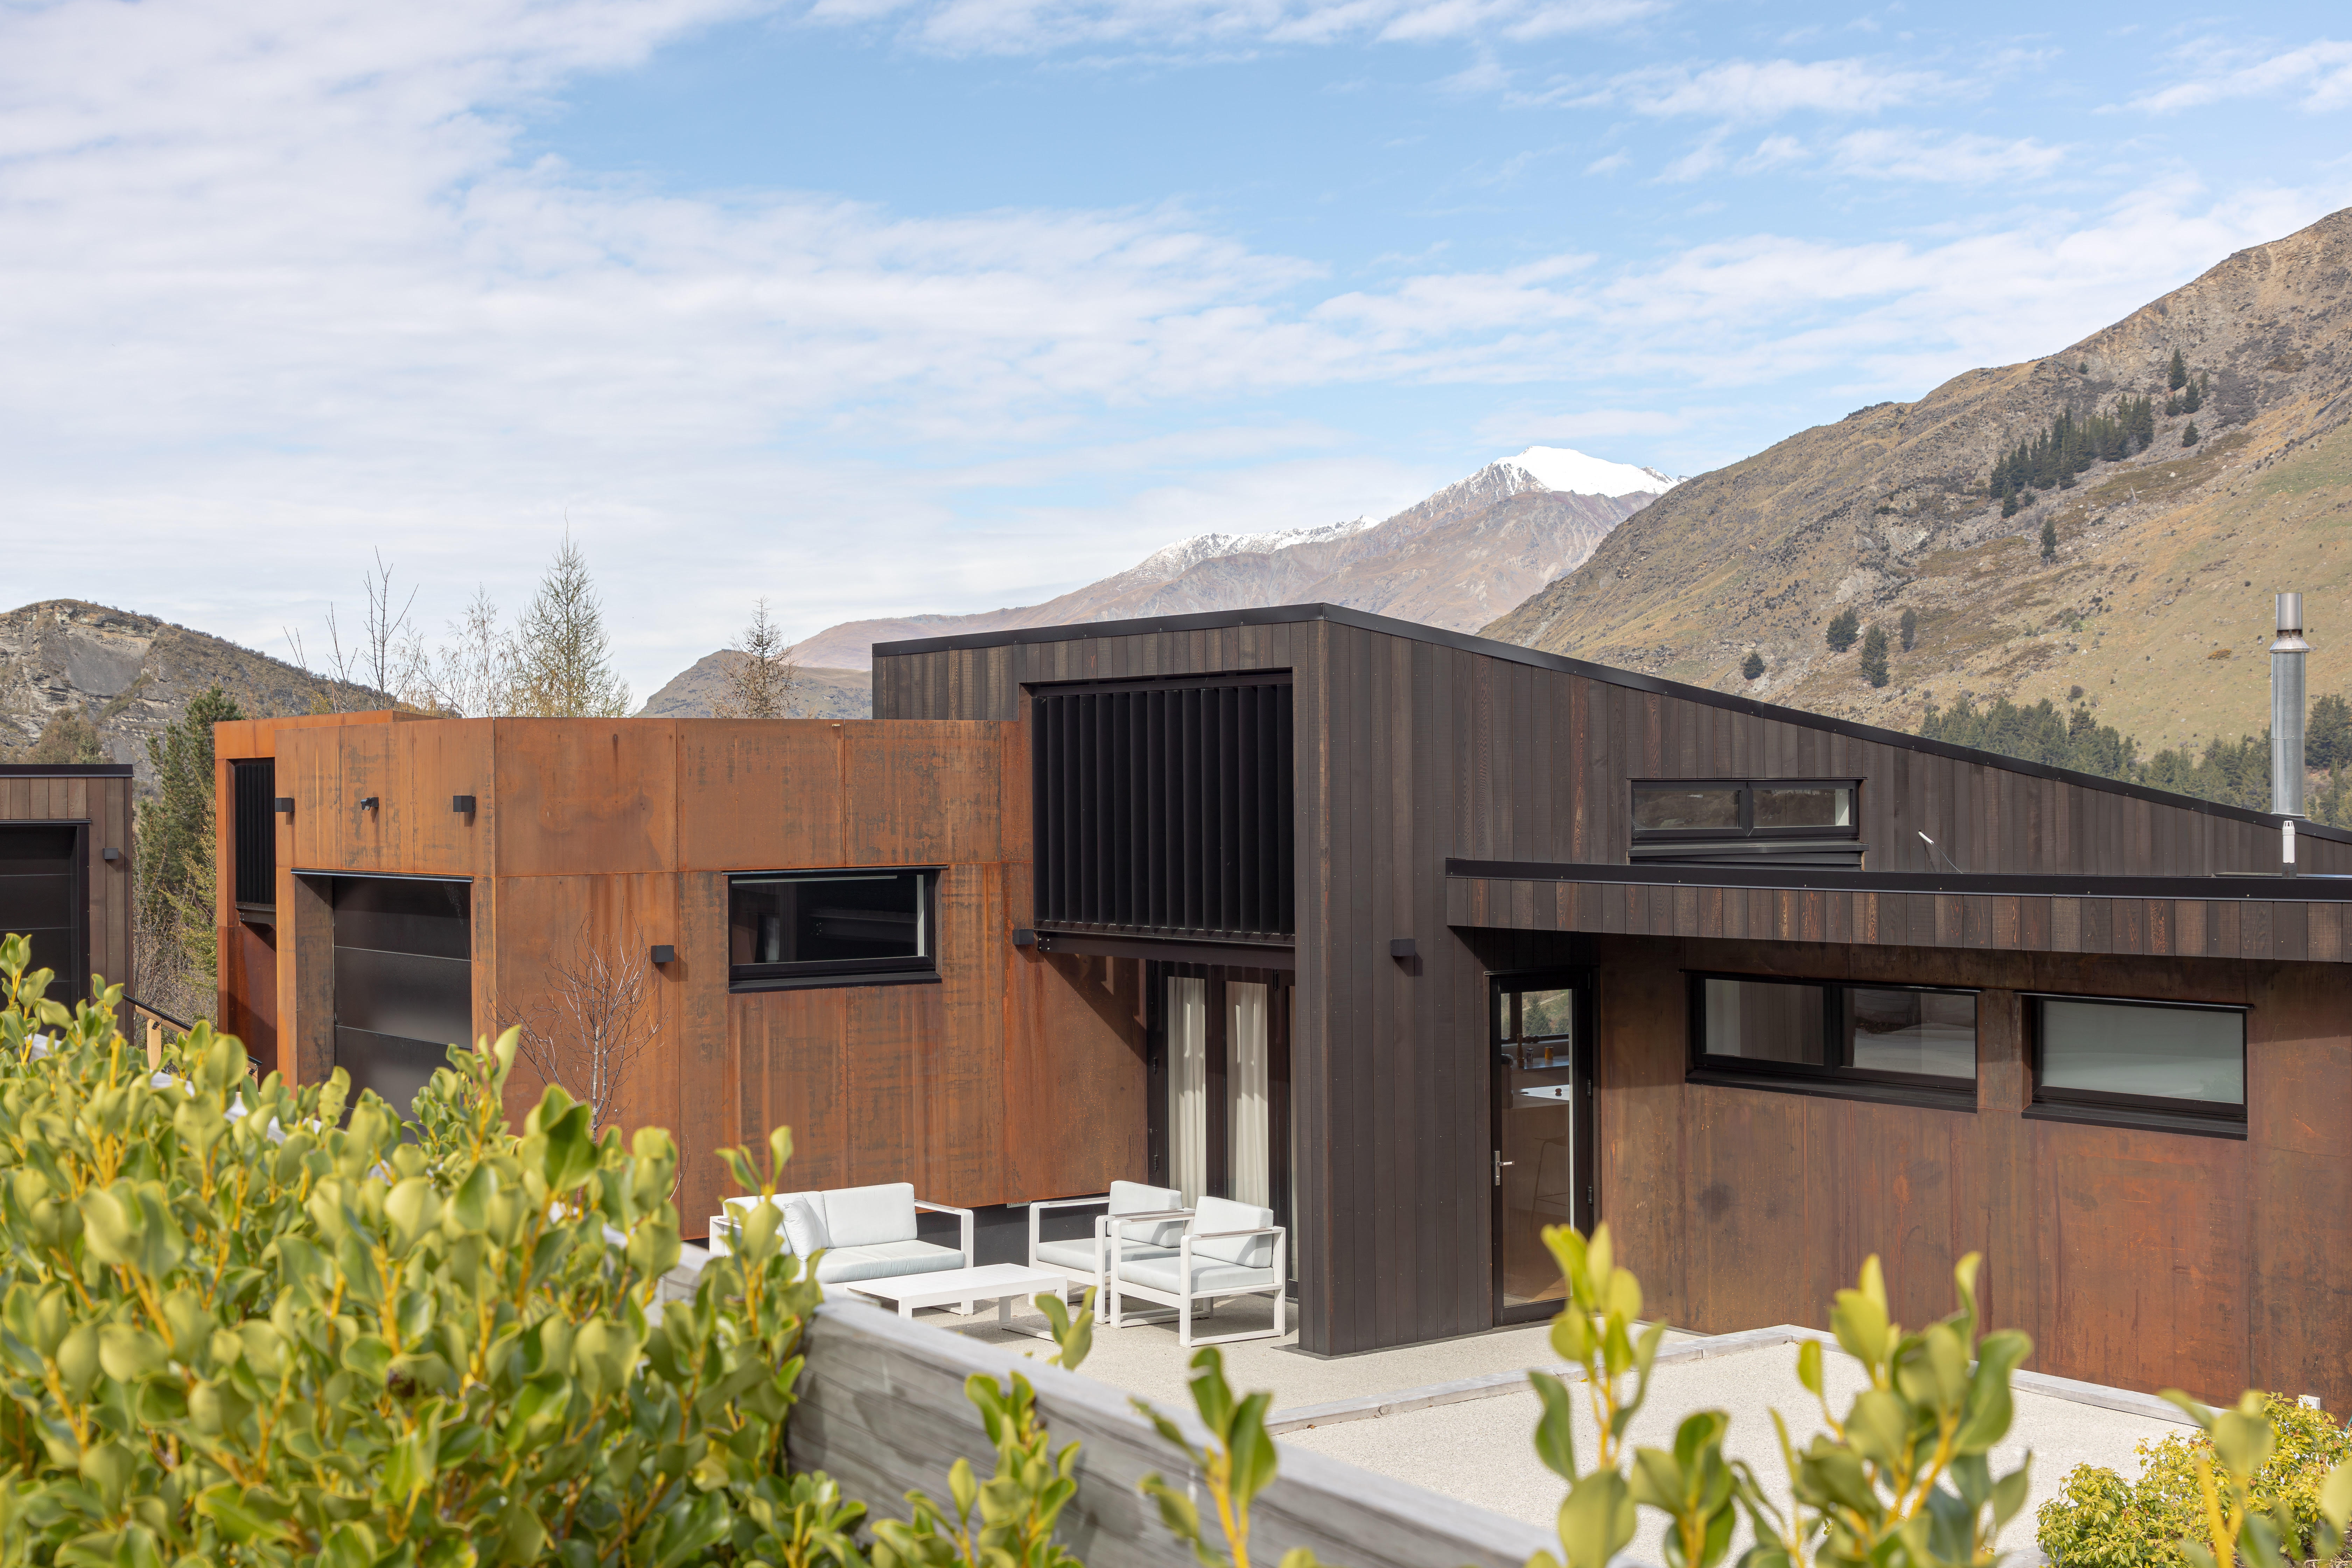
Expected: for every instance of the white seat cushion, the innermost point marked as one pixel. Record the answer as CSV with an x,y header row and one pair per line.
x,y
1080,1254
861,1216
1077,1254
1214,1215
885,1260
803,1219
1135,1197
1209,1277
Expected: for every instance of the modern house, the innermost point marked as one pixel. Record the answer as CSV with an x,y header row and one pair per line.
x,y
1423,940
65,868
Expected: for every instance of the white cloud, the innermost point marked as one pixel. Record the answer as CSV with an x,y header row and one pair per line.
x,y
1755,90
1009,27
1965,159
274,287
2316,76
1586,425
1609,165
1772,152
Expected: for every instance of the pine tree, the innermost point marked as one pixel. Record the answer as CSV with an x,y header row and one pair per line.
x,y
2049,539
2176,376
2008,501
1910,625
2189,437
562,658
1752,666
174,872
1844,628
2328,738
2193,397
1874,656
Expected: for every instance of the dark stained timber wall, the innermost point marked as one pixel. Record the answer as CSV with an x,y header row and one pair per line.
x,y
1165,808
1411,746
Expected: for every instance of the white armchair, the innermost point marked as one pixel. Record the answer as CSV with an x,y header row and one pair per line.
x,y
1228,1250
1082,1261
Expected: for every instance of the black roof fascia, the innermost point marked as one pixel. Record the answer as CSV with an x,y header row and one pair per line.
x,y
1286,614
65,770
2306,889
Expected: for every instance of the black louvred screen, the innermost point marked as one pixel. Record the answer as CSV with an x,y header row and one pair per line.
x,y
1165,807
257,832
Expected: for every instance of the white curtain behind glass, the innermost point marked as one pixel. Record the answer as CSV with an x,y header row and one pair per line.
x,y
1188,1086
1246,1125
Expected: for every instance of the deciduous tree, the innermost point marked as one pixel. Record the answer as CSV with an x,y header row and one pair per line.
x,y
563,658
764,684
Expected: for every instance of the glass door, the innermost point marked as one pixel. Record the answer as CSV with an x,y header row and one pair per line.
x,y
1543,1139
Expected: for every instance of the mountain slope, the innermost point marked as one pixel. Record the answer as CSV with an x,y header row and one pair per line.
x,y
2158,598
132,675
1411,564
694,692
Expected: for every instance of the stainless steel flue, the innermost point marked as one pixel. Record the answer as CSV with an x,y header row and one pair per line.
x,y
2286,708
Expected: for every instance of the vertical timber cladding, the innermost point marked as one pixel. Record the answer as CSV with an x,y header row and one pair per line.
x,y
253,790
1165,807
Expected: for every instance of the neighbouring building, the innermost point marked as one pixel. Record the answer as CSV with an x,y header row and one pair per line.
x,y
1424,940
64,869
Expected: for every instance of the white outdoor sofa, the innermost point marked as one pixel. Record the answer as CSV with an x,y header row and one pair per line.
x,y
1082,1259
1227,1248
865,1233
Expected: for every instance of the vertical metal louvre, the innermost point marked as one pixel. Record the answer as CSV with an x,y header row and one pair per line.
x,y
256,786
1165,807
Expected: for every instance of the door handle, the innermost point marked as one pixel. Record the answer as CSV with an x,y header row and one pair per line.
x,y
1499,1163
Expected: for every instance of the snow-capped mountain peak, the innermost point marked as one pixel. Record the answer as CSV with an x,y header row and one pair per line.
x,y
1565,468
1170,561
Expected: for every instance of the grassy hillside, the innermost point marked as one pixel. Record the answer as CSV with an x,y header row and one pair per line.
x,y
2156,603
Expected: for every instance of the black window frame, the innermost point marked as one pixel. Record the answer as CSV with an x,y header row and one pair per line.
x,y
1832,1079
1746,828
920,969
2147,1113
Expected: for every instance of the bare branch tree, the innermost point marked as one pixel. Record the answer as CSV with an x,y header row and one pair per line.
x,y
765,683
476,668
598,1018
388,651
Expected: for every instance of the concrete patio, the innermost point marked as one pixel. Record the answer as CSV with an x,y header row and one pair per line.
x,y
1458,1414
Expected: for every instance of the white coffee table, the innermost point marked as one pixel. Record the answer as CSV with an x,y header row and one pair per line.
x,y
953,1287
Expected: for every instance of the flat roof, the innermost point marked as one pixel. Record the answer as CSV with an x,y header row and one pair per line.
x,y
1632,680
65,770
2305,888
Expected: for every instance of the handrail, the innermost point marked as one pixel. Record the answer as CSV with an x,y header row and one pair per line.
x,y
158,1014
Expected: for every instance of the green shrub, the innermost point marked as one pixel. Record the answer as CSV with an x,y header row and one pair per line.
x,y
239,1327
2101,1520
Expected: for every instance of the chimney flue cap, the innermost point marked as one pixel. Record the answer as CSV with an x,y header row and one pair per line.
x,y
2290,625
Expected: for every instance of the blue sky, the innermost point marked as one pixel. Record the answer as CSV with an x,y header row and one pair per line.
x,y
875,307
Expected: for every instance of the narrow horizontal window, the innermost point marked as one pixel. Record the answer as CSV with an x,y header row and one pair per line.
x,y
829,925
2139,1057
1803,805
1782,821
1669,808
1788,1032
